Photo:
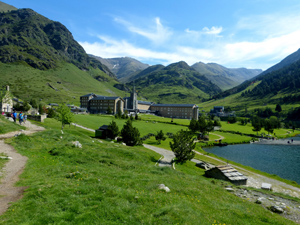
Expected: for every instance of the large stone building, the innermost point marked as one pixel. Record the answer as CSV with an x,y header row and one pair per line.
x,y
101,104
183,111
6,102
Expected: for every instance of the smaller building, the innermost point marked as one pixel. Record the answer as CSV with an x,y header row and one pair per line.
x,y
101,132
227,173
6,101
220,112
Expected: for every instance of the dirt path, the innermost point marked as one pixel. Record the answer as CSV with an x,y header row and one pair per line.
x,y
13,168
167,156
220,136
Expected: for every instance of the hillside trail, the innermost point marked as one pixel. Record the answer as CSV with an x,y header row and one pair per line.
x,y
13,168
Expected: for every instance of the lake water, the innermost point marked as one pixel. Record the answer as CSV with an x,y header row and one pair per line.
x,y
282,160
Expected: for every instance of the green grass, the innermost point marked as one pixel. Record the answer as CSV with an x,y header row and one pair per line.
x,y
108,183
7,126
27,83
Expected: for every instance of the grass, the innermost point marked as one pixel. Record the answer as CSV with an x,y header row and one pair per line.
x,y
108,183
7,126
70,82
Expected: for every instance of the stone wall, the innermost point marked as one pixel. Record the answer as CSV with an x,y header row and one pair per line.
x,y
39,118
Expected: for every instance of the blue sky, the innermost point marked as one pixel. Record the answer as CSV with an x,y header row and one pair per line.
x,y
233,33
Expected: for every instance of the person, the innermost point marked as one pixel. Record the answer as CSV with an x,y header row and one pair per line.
x,y
14,116
25,118
21,118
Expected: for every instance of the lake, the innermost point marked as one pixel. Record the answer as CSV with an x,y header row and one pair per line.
x,y
282,160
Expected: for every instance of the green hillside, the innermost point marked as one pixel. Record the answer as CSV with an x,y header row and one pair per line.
x,y
108,183
176,83
5,7
224,77
67,81
28,37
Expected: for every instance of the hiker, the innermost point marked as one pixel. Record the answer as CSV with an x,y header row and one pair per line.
x,y
14,116
25,118
21,118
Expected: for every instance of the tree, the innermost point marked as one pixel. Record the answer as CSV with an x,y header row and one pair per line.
x,y
160,136
26,106
202,124
182,146
194,126
210,126
33,103
64,115
130,134
113,130
109,110
278,108
51,113
268,125
41,109
257,123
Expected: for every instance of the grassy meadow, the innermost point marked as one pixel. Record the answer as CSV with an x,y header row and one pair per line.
x,y
108,183
69,81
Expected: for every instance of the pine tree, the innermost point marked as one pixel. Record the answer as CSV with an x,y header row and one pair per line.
x,y
113,130
183,146
130,134
160,136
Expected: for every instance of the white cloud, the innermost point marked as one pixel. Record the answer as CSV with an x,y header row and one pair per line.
x,y
212,31
269,40
157,33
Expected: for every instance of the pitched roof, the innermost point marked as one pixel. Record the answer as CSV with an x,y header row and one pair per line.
x,y
145,102
231,173
87,95
104,98
175,105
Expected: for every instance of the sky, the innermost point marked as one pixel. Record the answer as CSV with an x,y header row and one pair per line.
x,y
254,34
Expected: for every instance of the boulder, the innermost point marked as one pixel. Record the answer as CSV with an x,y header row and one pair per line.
x,y
276,209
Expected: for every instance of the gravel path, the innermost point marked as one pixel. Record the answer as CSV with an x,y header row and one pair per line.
x,y
13,168
167,156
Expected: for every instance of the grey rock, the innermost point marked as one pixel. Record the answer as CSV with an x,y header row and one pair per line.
x,y
276,209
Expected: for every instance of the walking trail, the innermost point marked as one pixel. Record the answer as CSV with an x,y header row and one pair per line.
x,y
13,168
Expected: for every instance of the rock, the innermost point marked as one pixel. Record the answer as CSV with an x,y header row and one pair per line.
x,y
260,200
163,187
271,199
266,186
276,209
77,144
229,189
123,144
100,141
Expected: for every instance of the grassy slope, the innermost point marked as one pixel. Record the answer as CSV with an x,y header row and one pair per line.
x,y
26,83
6,126
105,183
241,103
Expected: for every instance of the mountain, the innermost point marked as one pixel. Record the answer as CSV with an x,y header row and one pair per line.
x,y
26,36
145,72
224,77
5,7
39,58
123,67
278,84
292,58
176,83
